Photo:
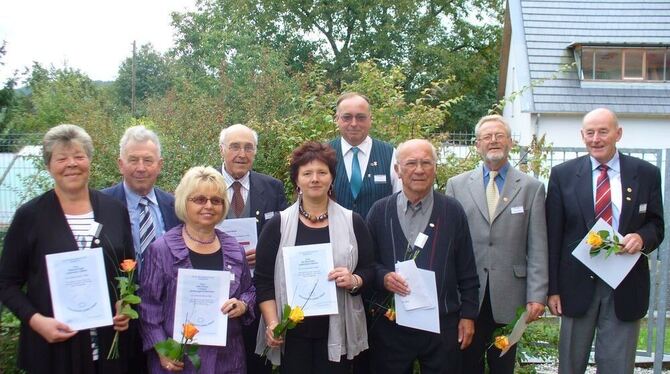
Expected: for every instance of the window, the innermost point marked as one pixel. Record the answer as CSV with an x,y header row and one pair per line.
x,y
625,64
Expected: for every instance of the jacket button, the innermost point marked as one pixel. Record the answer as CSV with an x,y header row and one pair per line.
x,y
592,277
490,244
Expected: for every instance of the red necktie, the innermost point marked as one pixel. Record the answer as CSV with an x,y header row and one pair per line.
x,y
238,201
603,207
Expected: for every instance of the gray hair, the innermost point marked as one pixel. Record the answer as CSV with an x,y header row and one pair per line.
x,y
407,143
65,135
238,126
493,118
138,134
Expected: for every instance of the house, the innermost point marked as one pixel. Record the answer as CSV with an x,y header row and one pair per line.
x,y
565,58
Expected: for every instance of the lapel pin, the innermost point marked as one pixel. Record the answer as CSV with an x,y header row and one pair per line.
x,y
373,163
505,199
257,212
629,189
628,198
431,225
96,241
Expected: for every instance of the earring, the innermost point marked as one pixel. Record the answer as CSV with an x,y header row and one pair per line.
x,y
299,190
330,190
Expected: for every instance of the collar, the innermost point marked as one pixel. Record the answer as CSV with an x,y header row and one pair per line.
x,y
230,180
365,146
405,203
613,163
133,198
502,172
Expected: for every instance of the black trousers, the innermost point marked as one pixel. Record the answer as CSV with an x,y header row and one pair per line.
x,y
304,355
255,363
473,356
395,348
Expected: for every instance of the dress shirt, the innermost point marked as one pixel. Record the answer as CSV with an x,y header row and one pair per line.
x,y
414,217
244,181
132,203
614,174
500,179
363,160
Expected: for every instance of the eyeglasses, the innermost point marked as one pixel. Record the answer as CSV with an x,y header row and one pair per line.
x,y
236,147
348,118
413,164
202,200
492,137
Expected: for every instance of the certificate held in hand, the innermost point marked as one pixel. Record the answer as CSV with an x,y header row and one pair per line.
x,y
307,285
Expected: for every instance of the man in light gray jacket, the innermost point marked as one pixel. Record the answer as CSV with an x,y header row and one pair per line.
x,y
505,210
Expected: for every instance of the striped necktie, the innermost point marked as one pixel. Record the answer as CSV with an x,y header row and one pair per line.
x,y
492,194
356,180
147,229
603,208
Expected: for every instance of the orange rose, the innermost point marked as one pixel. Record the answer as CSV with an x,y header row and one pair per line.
x,y
128,265
390,314
501,342
189,331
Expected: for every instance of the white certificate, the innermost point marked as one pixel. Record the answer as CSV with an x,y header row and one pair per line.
x,y
243,230
611,269
418,296
517,332
78,285
200,296
428,318
307,284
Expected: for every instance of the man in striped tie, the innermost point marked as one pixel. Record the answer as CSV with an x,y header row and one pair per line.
x,y
626,192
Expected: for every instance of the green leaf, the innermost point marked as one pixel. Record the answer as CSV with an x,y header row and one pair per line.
x,y
168,348
195,360
131,299
130,312
287,311
604,234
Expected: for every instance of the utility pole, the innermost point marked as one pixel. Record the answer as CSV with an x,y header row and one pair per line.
x,y
132,84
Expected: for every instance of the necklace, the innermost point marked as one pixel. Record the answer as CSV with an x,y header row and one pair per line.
x,y
199,241
310,217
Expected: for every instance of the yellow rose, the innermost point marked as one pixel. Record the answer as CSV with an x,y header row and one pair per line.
x,y
390,314
594,240
501,342
296,315
189,331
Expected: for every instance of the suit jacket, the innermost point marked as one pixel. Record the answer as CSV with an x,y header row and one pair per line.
x,y
165,203
39,228
266,196
511,251
570,215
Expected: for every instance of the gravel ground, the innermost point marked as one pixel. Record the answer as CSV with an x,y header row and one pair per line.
x,y
552,369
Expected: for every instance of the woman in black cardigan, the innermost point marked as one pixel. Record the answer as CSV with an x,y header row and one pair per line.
x,y
54,222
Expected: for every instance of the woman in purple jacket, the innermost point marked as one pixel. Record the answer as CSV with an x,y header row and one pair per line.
x,y
201,202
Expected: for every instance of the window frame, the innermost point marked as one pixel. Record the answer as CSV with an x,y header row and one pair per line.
x,y
590,76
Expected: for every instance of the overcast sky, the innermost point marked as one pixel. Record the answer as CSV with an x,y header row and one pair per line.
x,y
90,35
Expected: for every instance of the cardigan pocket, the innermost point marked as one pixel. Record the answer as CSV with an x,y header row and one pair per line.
x,y
520,271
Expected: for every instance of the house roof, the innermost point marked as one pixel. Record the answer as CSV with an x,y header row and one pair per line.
x,y
549,29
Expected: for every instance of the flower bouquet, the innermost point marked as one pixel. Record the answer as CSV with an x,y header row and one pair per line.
x,y
126,298
174,350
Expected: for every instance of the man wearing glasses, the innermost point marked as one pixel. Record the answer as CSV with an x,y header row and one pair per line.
x,y
365,165
251,194
505,210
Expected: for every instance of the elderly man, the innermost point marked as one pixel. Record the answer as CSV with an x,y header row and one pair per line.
x,y
505,210
151,209
251,194
626,193
433,229
365,165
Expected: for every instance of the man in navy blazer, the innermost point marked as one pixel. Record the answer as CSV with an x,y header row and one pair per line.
x,y
260,196
585,302
140,163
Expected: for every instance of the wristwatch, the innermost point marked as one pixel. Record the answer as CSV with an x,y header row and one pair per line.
x,y
354,289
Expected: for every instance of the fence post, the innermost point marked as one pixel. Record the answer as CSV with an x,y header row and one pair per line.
x,y
663,284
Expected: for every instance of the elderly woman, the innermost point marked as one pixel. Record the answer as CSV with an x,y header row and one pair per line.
x,y
201,203
60,221
320,344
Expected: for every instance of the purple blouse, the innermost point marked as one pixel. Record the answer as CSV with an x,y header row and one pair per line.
x,y
158,286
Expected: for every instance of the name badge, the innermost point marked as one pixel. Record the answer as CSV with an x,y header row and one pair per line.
x,y
269,215
517,209
95,228
380,178
643,208
420,240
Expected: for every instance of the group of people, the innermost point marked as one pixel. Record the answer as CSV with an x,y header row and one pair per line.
x,y
494,241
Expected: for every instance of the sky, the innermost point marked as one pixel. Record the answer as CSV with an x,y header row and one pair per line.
x,y
92,36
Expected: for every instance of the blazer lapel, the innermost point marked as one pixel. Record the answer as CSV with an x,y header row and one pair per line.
x,y
584,189
256,192
510,190
476,188
629,196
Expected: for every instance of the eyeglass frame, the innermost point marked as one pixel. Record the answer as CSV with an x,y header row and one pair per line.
x,y
414,164
214,200
360,118
236,147
488,138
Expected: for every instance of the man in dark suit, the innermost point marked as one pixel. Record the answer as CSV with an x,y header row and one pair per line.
x,y
140,163
422,224
364,165
626,192
505,209
251,194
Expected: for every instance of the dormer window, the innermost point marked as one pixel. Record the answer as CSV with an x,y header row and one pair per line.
x,y
628,64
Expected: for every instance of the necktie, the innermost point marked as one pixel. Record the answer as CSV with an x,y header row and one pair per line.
x,y
492,194
147,230
238,201
603,206
356,180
